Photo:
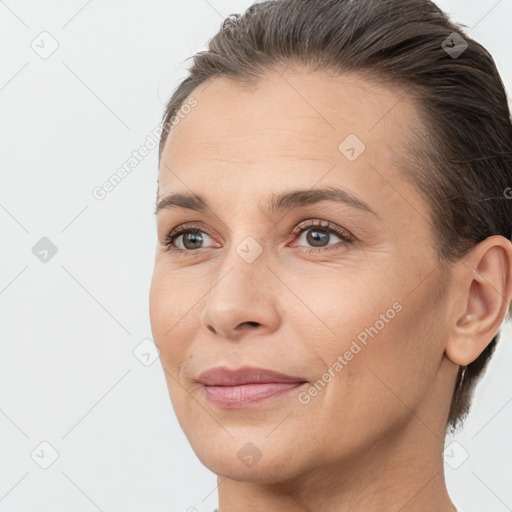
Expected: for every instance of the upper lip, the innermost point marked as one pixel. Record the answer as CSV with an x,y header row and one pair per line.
x,y
223,376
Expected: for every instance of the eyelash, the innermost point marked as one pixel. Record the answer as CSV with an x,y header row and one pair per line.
x,y
326,226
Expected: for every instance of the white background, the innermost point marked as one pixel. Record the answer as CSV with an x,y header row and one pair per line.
x,y
68,327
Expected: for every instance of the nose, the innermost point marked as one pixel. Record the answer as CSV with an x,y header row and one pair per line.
x,y
242,301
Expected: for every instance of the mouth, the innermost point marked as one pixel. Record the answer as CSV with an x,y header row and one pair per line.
x,y
247,394
245,386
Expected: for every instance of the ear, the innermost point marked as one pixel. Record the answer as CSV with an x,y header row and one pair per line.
x,y
483,297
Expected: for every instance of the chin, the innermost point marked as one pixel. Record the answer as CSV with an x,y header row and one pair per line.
x,y
245,461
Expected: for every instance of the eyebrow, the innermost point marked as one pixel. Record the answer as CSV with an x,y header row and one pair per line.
x,y
277,202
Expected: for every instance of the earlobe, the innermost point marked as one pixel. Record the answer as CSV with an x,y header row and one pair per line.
x,y
464,345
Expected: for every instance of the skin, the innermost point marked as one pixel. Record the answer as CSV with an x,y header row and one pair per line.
x,y
372,438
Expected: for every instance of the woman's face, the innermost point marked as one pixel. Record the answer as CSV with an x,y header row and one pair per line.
x,y
356,315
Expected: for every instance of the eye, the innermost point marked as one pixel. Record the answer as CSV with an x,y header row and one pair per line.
x,y
192,237
318,234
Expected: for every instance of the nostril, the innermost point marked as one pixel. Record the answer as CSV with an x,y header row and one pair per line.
x,y
254,324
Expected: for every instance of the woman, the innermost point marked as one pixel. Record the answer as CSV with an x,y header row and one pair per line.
x,y
334,257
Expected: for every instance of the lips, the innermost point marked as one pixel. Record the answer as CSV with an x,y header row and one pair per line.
x,y
234,389
222,376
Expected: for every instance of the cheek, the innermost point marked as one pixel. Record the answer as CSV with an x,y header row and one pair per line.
x,y
171,309
340,311
368,398
378,362
170,313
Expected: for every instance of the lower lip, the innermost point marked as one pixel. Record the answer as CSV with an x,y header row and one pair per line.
x,y
247,394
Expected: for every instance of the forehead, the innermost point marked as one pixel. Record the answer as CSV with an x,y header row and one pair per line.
x,y
296,101
298,124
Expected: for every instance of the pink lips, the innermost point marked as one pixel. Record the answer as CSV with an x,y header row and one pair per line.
x,y
245,386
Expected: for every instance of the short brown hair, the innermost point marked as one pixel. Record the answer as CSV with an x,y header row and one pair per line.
x,y
461,158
